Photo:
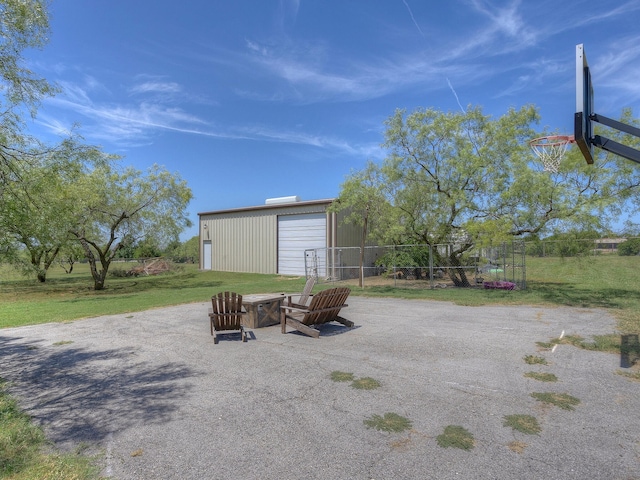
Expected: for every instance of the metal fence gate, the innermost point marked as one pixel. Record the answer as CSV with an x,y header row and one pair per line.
x,y
419,266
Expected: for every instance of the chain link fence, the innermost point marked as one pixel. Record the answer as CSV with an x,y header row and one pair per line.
x,y
419,266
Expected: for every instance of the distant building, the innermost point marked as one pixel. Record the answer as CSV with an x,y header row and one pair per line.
x,y
608,245
272,238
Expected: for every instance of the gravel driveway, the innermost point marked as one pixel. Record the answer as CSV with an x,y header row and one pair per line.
x,y
153,394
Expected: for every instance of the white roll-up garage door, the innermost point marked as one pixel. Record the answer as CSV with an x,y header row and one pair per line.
x,y
297,233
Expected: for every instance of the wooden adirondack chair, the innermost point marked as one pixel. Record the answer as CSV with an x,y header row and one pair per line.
x,y
301,299
324,308
226,314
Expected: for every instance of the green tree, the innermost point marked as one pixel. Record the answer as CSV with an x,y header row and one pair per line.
x,y
70,253
37,208
146,248
24,24
362,199
466,178
121,208
185,252
448,171
629,247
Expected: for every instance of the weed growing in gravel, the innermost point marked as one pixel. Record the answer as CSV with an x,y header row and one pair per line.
x,y
601,343
543,377
548,345
517,446
457,437
562,400
534,360
338,376
366,383
523,423
390,422
631,375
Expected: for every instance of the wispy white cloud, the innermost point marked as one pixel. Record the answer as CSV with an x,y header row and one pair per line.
x,y
301,71
120,123
310,78
136,124
288,11
329,143
617,71
534,74
588,15
156,87
506,31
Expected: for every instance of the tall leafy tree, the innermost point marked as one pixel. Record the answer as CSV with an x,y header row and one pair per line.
x,y
37,208
119,208
24,24
363,199
464,177
447,170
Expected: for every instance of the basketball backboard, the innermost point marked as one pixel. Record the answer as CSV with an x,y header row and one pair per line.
x,y
583,128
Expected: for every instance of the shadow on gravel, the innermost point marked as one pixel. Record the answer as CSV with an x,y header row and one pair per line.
x,y
84,395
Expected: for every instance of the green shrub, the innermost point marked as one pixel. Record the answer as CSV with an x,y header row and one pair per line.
x,y
119,273
629,247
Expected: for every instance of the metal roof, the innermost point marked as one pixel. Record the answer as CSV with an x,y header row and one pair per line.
x,y
327,201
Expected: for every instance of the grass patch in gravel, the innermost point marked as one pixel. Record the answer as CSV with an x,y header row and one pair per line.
x,y
390,422
542,377
457,437
631,375
534,360
561,400
338,376
366,383
523,423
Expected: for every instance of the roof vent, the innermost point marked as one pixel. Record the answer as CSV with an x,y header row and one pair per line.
x,y
281,200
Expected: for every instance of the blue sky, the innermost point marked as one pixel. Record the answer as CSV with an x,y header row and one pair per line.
x,y
250,100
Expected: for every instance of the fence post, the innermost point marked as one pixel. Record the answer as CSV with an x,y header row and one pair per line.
x,y
431,285
394,265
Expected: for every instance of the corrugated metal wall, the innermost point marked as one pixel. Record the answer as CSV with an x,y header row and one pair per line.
x,y
246,240
243,242
348,235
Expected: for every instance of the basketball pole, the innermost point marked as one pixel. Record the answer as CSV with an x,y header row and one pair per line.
x,y
613,146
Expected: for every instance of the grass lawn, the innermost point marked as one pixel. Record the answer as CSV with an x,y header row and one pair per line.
x,y
608,282
605,281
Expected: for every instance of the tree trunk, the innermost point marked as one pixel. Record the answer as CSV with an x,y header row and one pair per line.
x,y
452,267
99,276
98,281
456,273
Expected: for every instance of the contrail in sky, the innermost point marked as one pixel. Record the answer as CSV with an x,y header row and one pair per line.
x,y
456,95
413,18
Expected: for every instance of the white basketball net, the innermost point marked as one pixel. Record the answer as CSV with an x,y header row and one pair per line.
x,y
551,150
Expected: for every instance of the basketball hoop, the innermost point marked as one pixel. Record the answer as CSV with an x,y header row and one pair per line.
x,y
551,149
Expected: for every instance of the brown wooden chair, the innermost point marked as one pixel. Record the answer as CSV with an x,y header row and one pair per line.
x,y
324,308
226,314
301,300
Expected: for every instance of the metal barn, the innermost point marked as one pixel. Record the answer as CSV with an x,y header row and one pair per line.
x,y
271,238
